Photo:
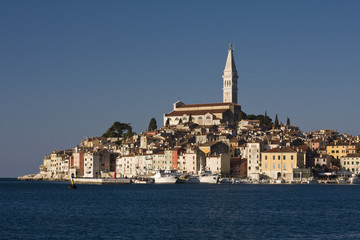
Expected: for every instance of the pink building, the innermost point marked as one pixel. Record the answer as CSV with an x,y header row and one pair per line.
x,y
78,162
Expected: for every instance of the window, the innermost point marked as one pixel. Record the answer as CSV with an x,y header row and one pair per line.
x,y
265,157
273,157
284,167
265,165
292,166
273,166
292,157
279,166
284,157
279,157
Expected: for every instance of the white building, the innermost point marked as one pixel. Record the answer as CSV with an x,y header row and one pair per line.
x,y
351,162
96,162
211,113
218,164
252,154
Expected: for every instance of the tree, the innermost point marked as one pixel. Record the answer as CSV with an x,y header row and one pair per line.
x,y
288,121
180,121
152,125
241,116
119,130
276,124
167,122
190,118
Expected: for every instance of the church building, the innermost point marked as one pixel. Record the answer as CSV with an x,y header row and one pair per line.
x,y
211,113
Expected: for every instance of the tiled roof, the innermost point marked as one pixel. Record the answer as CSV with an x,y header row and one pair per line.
x,y
207,105
195,112
280,149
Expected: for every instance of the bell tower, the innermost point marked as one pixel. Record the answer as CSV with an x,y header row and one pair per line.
x,y
230,79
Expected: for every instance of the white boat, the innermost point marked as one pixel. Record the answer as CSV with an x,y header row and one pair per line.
x,y
209,178
165,178
354,179
142,180
341,180
280,181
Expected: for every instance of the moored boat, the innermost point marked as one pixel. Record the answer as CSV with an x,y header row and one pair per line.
x,y
354,179
165,178
142,180
209,178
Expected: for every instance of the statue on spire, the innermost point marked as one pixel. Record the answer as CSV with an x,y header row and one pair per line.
x,y
230,46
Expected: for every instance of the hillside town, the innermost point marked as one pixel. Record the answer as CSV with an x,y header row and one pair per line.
x,y
213,139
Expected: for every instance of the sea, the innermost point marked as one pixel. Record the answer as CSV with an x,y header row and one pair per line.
x,y
50,210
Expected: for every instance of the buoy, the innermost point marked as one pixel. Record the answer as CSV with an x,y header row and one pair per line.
x,y
72,186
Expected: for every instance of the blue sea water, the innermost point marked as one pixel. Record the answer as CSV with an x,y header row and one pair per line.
x,y
42,210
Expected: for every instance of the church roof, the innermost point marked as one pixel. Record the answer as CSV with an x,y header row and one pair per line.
x,y
195,112
208,105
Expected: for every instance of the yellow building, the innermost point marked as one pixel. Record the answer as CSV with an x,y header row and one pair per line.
x,y
338,150
279,162
214,147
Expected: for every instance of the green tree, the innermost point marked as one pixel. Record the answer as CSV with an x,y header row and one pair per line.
x,y
276,124
119,130
190,118
241,116
167,122
152,125
180,121
288,121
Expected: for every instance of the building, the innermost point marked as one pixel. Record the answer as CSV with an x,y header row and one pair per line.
x,y
77,162
95,163
351,162
218,164
211,113
214,148
338,150
279,162
252,154
192,161
238,167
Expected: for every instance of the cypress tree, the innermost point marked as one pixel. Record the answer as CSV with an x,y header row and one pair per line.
x,y
276,124
152,125
288,121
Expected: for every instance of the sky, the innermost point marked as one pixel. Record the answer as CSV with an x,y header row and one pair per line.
x,y
69,69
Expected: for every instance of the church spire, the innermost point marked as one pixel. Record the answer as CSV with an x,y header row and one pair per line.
x,y
230,78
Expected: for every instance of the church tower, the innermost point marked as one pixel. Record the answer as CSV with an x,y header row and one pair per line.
x,y
230,79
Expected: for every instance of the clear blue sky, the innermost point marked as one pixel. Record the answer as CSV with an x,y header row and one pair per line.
x,y
69,69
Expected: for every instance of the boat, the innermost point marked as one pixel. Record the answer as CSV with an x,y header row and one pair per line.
x,y
142,180
341,180
354,179
209,178
280,181
160,177
226,181
193,179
